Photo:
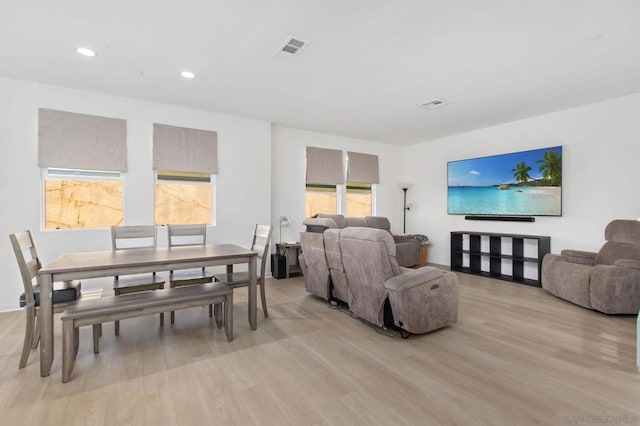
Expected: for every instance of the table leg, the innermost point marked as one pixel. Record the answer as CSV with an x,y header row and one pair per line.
x,y
228,316
286,261
253,321
46,324
69,344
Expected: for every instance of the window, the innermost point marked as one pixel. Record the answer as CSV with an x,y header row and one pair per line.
x,y
183,198
320,198
82,199
358,199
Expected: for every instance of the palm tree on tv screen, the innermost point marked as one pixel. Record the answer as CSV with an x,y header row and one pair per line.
x,y
521,172
551,167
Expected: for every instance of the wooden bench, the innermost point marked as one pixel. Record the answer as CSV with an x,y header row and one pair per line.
x,y
108,309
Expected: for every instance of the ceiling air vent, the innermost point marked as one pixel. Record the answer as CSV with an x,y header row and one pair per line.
x,y
434,103
290,49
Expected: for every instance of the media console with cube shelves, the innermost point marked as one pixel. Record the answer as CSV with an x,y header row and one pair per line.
x,y
509,257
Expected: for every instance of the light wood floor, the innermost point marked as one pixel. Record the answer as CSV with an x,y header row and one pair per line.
x,y
517,356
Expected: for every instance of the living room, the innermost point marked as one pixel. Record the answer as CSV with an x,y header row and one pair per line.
x,y
591,112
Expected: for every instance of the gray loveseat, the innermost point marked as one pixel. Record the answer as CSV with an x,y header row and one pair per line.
x,y
607,281
358,266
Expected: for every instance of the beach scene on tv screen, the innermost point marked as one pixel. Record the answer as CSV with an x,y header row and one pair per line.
x,y
519,183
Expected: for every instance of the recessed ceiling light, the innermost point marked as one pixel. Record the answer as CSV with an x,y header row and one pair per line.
x,y
187,74
85,51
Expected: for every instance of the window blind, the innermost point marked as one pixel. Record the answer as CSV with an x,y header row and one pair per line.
x,y
324,166
362,168
69,140
180,149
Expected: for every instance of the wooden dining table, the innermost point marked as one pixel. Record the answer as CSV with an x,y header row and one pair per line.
x,y
73,266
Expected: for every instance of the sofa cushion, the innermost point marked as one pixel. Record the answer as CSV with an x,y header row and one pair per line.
x,y
378,222
337,218
355,222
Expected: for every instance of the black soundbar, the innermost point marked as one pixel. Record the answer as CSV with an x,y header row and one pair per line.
x,y
503,218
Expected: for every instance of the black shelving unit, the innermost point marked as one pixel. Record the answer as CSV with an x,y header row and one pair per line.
x,y
496,255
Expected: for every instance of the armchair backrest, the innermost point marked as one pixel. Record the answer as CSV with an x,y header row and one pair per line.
x,y
22,242
339,219
379,222
623,242
369,260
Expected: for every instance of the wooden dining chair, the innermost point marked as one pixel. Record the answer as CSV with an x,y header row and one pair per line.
x,y
261,242
188,235
64,293
135,238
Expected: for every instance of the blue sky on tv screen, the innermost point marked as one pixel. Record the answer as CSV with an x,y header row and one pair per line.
x,y
497,169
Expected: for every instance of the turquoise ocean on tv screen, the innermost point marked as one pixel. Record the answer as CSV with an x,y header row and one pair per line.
x,y
536,201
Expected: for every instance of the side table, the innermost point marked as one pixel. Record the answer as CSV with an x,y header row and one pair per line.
x,y
423,253
287,250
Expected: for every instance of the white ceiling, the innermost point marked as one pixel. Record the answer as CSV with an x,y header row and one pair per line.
x,y
368,66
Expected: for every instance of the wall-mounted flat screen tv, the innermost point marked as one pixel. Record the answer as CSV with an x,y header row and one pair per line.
x,y
526,183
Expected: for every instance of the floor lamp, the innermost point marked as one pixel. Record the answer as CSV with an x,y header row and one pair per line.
x,y
405,186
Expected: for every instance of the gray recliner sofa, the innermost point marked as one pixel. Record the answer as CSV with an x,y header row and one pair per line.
x,y
362,271
607,281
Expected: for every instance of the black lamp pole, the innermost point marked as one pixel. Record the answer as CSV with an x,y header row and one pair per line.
x,y
404,222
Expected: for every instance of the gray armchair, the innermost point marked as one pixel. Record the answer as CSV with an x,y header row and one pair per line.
x,y
421,300
607,281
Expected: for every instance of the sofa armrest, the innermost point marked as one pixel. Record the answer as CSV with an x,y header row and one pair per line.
x,y
628,263
413,278
579,256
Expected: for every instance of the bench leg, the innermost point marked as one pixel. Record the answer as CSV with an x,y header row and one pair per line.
x,y
69,333
96,338
228,316
76,341
210,311
117,327
217,313
173,317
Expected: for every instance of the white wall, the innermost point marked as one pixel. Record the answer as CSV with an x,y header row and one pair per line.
x,y
288,176
262,170
601,154
243,182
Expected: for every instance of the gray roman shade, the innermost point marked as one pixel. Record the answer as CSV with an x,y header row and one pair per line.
x,y
362,168
324,166
68,140
180,149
